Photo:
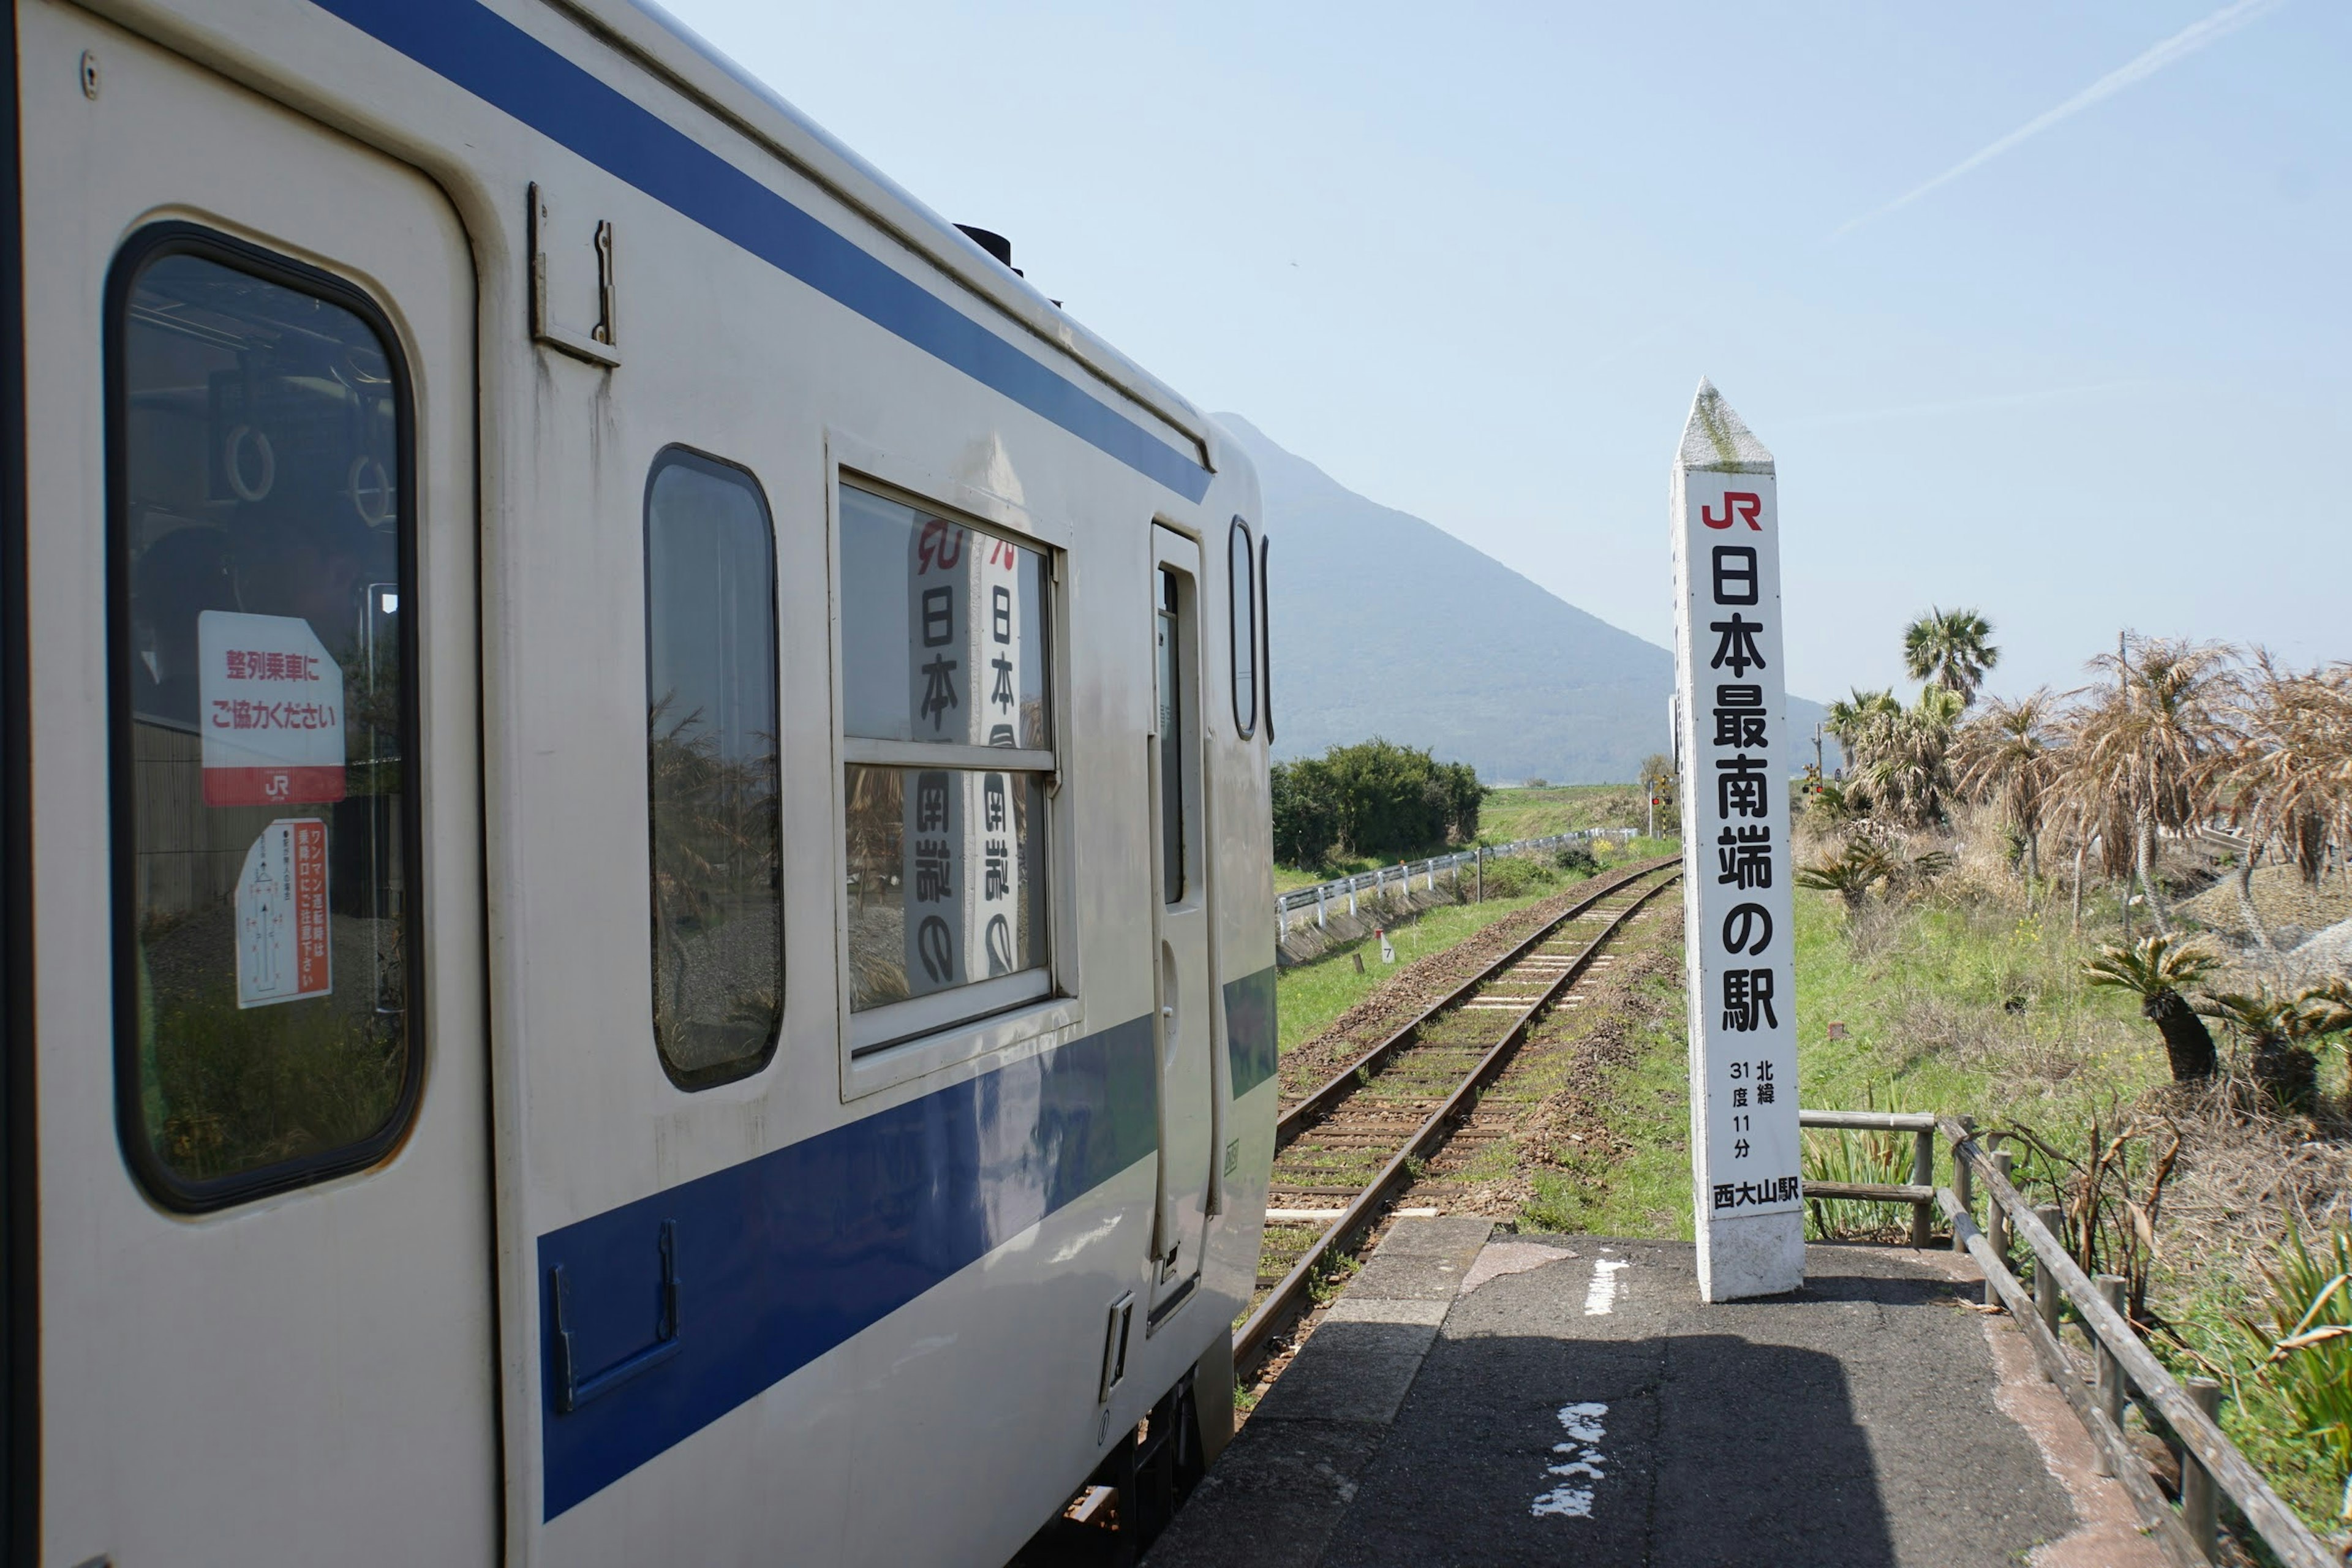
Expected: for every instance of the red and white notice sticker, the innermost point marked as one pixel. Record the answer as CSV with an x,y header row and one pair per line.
x,y
282,952
271,708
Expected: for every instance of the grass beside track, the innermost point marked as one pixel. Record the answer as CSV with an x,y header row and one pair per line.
x,y
1308,996
1631,1177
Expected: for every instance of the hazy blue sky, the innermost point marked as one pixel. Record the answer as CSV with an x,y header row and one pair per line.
x,y
1472,260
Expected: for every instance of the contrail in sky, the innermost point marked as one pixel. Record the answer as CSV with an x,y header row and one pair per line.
x,y
2179,47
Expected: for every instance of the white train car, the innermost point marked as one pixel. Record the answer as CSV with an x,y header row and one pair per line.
x,y
636,866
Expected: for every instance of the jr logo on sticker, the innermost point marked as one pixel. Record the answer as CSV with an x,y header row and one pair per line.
x,y
282,952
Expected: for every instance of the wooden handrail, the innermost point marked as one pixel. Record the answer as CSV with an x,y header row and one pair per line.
x,y
1917,1192
2271,1519
1870,1120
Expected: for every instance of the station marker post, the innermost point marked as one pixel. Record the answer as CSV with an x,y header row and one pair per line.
x,y
1732,745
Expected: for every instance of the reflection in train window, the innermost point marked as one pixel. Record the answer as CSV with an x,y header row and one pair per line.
x,y
944,645
265,824
1242,599
712,770
943,629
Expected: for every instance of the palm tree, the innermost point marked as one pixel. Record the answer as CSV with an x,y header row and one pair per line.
x,y
1950,649
1901,756
2007,754
2326,1011
1850,875
2272,1029
2156,970
2291,772
1845,717
2150,747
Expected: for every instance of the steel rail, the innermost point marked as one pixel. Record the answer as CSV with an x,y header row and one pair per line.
x,y
1283,1300
1291,1122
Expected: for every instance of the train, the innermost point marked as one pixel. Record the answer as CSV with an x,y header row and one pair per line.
x,y
635,882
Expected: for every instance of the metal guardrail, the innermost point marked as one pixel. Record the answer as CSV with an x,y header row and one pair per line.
x,y
1377,881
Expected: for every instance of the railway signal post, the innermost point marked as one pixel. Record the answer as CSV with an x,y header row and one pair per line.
x,y
1731,716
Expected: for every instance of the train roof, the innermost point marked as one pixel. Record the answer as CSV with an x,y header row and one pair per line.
x,y
693,67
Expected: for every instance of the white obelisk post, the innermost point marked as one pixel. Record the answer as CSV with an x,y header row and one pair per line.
x,y
1732,719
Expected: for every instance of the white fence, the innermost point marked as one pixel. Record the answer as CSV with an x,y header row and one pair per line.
x,y
1290,907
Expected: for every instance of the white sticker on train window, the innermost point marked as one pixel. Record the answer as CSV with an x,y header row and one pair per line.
x,y
271,710
282,950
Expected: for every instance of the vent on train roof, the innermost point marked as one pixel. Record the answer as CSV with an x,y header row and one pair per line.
x,y
993,243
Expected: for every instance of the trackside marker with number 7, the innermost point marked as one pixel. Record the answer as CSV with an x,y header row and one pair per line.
x,y
270,707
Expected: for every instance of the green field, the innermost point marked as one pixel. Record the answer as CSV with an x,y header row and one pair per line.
x,y
1508,813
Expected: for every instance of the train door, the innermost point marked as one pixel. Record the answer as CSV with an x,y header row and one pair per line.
x,y
1181,915
267,1311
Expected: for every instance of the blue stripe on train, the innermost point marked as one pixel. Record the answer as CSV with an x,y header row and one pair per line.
x,y
784,1257
505,67
1250,1030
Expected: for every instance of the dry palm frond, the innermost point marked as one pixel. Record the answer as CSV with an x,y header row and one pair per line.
x,y
2008,755
2148,750
2290,773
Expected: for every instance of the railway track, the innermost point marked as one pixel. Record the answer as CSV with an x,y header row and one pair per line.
x,y
1346,1147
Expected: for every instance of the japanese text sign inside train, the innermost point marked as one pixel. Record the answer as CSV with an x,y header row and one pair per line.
x,y
282,952
270,707
1732,715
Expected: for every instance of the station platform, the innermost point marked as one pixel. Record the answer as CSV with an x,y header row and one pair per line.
x,y
1481,1399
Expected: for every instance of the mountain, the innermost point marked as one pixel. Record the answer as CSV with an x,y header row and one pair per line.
x,y
1386,625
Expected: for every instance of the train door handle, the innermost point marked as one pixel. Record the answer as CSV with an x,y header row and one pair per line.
x,y
571,1390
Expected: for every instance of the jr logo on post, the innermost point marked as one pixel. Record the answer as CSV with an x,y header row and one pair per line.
x,y
271,705
1738,506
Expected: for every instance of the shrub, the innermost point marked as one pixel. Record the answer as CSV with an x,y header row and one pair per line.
x,y
1375,798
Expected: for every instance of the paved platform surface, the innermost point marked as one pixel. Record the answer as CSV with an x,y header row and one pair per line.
x,y
1497,1400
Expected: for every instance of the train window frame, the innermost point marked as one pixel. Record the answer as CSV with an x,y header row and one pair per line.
x,y
1264,638
1242,642
677,455
172,1192
903,1041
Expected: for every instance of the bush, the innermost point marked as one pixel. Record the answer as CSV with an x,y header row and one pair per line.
x,y
1305,814
1372,799
1518,876
1577,856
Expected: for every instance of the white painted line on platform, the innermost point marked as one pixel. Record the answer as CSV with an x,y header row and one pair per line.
x,y
1583,1462
1601,1296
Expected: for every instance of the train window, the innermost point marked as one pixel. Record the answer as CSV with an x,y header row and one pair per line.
x,y
1242,601
1265,633
1167,683
261,542
944,658
712,770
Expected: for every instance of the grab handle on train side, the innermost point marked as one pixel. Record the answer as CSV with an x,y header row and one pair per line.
x,y
573,1390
